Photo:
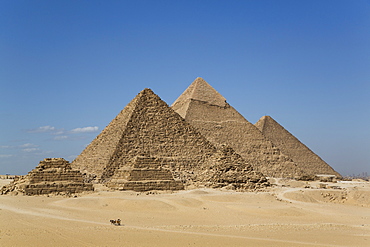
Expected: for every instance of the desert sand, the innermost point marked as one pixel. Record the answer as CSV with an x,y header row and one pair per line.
x,y
292,213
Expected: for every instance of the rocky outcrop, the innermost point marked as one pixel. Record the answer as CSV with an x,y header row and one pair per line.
x,y
52,175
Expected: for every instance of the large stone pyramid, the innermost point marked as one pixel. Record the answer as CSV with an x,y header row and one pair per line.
x,y
52,175
289,144
207,110
148,127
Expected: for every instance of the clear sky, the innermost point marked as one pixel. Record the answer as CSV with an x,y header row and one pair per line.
x,y
67,68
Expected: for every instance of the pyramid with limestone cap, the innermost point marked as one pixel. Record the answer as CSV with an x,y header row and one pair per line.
x,y
148,127
202,91
207,110
307,160
199,90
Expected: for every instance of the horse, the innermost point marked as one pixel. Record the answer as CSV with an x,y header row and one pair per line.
x,y
115,222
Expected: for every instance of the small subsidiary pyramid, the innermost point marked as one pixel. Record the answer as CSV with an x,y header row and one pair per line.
x,y
306,159
207,110
143,174
148,127
52,175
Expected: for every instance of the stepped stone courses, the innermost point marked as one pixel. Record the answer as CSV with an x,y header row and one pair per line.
x,y
148,127
289,144
52,175
144,174
207,110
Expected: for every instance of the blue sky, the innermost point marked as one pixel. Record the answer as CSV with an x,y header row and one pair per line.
x,y
68,67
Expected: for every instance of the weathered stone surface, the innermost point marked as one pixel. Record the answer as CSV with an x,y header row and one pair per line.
x,y
147,127
307,160
227,168
52,175
93,159
204,108
143,174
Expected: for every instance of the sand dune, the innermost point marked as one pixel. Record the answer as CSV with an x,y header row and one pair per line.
x,y
286,215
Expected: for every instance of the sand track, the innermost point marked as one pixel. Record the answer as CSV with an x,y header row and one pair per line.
x,y
187,218
38,213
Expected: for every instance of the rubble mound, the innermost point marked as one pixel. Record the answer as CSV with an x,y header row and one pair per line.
x,y
52,175
228,169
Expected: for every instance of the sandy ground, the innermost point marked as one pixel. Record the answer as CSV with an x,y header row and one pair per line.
x,y
289,214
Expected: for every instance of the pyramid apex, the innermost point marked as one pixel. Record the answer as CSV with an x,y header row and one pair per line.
x,y
266,118
260,124
146,90
200,90
199,79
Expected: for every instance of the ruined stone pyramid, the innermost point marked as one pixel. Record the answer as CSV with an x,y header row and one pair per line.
x,y
227,168
307,160
143,174
148,127
207,110
52,175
